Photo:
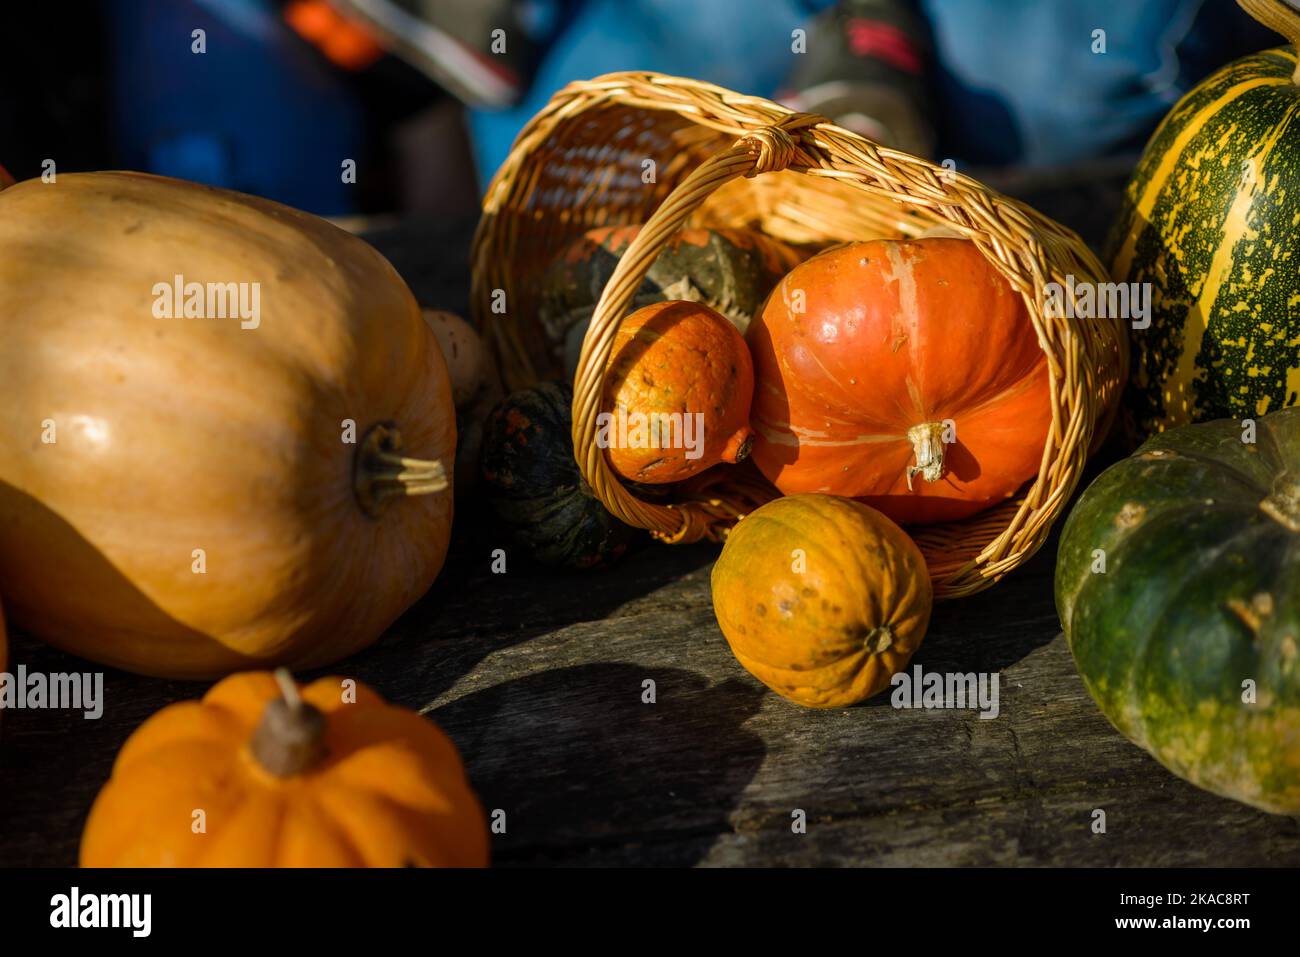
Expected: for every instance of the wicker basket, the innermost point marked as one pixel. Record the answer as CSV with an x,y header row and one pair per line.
x,y
726,159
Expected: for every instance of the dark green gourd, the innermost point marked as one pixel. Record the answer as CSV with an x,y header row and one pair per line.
x,y
730,270
1178,586
534,486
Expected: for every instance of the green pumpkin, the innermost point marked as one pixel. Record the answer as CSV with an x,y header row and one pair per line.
x,y
1210,220
1178,586
730,270
534,486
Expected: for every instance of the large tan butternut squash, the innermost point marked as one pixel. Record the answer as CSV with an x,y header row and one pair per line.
x,y
189,496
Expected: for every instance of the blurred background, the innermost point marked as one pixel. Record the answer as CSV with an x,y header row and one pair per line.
x,y
426,96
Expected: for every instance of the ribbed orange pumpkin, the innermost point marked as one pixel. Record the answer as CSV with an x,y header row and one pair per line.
x,y
905,374
256,775
821,598
679,386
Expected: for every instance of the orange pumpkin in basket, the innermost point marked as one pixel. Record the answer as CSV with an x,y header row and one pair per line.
x,y
678,389
906,374
262,774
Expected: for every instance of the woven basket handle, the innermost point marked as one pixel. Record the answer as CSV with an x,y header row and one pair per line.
x,y
761,151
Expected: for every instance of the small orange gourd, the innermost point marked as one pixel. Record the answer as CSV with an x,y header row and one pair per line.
x,y
821,598
678,388
327,776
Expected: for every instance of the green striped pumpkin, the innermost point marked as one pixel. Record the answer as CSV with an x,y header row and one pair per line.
x,y
1211,219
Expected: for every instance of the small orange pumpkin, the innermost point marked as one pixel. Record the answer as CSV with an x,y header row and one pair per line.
x,y
679,383
331,776
906,374
821,598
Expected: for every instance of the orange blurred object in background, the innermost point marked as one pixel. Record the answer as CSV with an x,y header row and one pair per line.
x,y
347,43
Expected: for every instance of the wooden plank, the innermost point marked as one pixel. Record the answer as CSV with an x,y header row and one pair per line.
x,y
556,733
538,677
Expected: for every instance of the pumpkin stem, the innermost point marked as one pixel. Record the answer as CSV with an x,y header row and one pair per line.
x,y
738,446
878,639
1280,17
290,738
927,444
1283,504
381,474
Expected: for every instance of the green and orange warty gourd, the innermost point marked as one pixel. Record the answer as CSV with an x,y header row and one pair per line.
x,y
904,374
729,270
532,482
821,598
262,774
186,495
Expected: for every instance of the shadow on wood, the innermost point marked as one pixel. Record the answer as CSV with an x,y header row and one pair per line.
x,y
582,765
502,610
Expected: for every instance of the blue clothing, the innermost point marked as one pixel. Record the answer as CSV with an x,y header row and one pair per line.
x,y
259,111
1016,81
743,45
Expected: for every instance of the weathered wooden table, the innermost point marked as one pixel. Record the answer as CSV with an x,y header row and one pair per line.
x,y
538,677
